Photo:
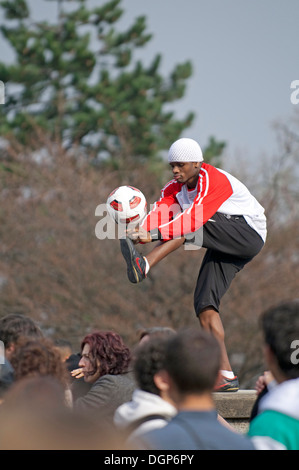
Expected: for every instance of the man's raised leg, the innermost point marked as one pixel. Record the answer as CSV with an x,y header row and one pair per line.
x,y
162,250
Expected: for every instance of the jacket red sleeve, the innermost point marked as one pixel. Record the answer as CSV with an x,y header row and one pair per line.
x,y
213,189
164,210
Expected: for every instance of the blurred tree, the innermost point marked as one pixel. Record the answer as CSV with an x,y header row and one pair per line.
x,y
76,78
213,151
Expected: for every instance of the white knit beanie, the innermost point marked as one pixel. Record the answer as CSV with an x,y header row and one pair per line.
x,y
185,150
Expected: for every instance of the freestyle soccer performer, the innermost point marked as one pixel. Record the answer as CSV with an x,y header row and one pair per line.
x,y
204,206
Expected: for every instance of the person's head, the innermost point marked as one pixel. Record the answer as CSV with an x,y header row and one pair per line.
x,y
13,326
37,392
155,331
280,325
185,158
37,357
35,416
103,353
192,363
148,363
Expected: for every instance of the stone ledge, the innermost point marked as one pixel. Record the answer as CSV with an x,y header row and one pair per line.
x,y
235,404
236,407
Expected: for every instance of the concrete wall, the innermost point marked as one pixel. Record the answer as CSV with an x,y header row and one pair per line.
x,y
236,407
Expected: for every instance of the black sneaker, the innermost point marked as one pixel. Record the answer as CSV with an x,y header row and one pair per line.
x,y
227,385
135,262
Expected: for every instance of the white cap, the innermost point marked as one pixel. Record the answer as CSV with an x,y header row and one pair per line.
x,y
185,150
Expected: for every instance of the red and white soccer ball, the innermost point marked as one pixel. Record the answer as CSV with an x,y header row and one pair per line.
x,y
126,205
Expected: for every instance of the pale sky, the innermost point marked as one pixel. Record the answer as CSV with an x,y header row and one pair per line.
x,y
245,54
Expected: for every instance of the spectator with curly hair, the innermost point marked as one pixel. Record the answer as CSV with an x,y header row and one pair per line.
x,y
14,326
37,357
105,364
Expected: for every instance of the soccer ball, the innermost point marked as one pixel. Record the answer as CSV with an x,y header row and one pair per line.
x,y
126,205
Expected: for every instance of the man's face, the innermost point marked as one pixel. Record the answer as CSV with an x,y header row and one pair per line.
x,y
186,172
87,365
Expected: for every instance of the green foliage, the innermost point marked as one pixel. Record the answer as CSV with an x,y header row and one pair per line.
x,y
77,78
213,151
15,10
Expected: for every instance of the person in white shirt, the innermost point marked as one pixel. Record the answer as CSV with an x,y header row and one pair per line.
x,y
150,407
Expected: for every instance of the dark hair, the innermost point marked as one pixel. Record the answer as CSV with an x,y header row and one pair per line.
x,y
149,359
35,357
14,325
280,326
109,348
156,331
192,359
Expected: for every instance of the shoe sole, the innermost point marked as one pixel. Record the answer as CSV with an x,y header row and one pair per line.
x,y
232,386
230,389
129,257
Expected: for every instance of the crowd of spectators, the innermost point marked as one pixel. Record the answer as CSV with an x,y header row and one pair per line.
x,y
157,395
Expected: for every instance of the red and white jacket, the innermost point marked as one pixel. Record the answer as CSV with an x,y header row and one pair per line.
x,y
180,211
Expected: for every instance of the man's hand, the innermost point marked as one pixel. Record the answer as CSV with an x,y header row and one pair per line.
x,y
139,235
